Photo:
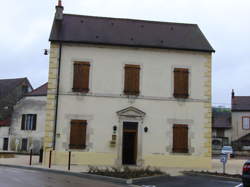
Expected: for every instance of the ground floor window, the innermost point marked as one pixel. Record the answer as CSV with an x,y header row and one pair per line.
x,y
180,138
5,144
24,144
78,134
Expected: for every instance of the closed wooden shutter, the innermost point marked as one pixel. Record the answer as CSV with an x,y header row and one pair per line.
x,y
181,83
78,134
132,79
81,77
180,138
23,122
34,122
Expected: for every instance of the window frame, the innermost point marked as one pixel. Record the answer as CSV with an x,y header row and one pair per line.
x,y
242,118
131,92
74,146
186,95
74,88
173,148
30,122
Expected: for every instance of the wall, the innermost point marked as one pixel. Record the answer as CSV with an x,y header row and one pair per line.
x,y
28,105
237,130
106,97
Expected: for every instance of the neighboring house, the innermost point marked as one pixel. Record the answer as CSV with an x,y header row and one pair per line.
x,y
221,129
11,91
130,92
241,121
28,121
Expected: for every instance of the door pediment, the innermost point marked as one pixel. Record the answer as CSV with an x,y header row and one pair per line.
x,y
131,112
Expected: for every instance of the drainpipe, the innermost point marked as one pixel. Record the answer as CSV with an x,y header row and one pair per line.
x,y
57,95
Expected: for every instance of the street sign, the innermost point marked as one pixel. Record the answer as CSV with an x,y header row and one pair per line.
x,y
223,159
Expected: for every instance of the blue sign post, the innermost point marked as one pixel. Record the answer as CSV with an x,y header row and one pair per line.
x,y
223,159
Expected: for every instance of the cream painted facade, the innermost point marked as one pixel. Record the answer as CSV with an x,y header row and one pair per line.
x,y
28,105
237,126
106,106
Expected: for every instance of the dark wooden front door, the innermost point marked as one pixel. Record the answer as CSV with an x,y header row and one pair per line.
x,y
129,148
24,144
5,144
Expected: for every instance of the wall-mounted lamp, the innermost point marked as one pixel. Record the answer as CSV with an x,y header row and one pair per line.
x,y
45,51
145,129
114,128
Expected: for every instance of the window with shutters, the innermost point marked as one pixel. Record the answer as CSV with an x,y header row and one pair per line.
x,y
81,77
181,78
180,138
246,122
78,134
132,79
28,122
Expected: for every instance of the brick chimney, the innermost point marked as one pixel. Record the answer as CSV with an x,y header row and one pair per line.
x,y
59,11
233,98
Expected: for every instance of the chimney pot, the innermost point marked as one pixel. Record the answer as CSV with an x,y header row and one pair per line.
x,y
232,93
59,11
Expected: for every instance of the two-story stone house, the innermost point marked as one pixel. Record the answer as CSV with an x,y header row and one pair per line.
x,y
28,121
240,121
128,92
11,91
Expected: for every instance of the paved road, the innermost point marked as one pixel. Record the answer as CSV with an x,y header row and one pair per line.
x,y
190,181
11,177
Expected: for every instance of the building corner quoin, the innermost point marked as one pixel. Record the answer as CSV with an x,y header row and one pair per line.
x,y
51,96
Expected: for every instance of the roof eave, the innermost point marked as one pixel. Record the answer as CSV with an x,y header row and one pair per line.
x,y
135,46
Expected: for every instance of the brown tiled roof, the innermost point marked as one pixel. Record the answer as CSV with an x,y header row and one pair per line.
x,y
241,103
129,32
221,119
7,85
40,91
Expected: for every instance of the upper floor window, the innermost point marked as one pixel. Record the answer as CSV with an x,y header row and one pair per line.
x,y
181,77
81,77
132,79
246,122
28,122
78,134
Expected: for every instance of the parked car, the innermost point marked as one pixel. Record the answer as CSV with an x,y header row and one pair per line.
x,y
246,174
227,150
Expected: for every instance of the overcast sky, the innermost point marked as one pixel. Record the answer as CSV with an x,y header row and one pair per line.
x,y
25,28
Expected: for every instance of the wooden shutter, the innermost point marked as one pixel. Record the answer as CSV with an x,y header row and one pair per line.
x,y
180,138
181,83
81,77
23,122
34,122
78,134
132,79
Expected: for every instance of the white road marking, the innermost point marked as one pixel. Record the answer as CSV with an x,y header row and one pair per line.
x,y
239,185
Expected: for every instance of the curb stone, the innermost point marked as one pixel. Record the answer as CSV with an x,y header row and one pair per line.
x,y
91,176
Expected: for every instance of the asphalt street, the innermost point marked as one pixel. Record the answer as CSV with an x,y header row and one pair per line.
x,y
190,181
11,177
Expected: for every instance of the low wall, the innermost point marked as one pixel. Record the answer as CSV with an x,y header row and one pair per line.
x,y
109,159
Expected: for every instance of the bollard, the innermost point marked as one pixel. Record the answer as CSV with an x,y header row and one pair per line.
x,y
50,154
69,160
30,157
41,156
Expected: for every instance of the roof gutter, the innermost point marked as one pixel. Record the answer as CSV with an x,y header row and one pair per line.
x,y
57,95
